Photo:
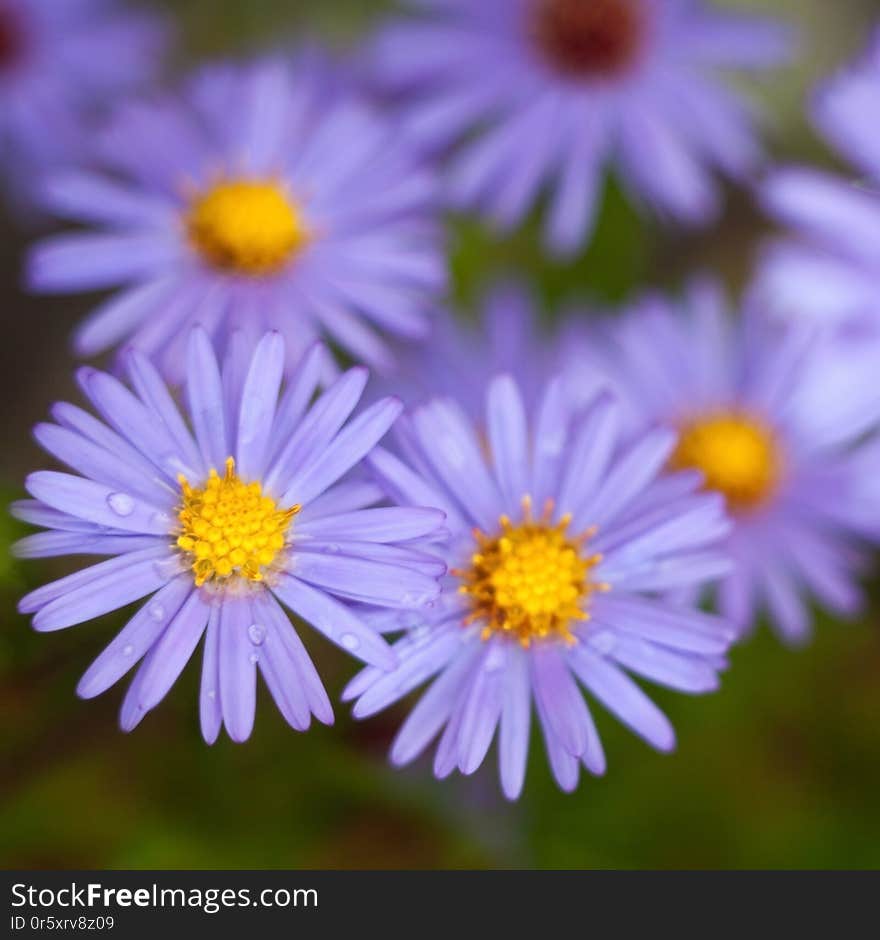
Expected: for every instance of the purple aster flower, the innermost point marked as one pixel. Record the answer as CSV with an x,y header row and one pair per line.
x,y
59,63
830,269
264,197
560,542
219,522
462,357
774,420
544,94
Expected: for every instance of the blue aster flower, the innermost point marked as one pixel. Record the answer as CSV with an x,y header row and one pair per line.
x,y
462,356
560,540
263,197
775,420
219,522
538,95
829,270
60,62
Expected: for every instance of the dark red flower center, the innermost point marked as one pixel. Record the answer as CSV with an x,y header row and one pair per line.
x,y
589,38
10,39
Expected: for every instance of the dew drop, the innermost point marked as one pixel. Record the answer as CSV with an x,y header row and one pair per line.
x,y
350,641
212,694
127,650
121,503
256,634
156,612
254,659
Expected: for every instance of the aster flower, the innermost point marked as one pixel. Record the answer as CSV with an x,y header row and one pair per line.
x,y
462,356
59,64
556,90
217,523
830,269
774,420
559,543
265,196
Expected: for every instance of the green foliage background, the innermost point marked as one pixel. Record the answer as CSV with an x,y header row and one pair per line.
x,y
779,769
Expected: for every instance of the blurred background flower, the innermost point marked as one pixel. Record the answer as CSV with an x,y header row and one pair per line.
x,y
256,197
779,768
61,66
529,97
764,412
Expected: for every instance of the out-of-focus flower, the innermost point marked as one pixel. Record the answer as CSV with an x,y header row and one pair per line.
x,y
461,357
217,523
546,94
774,419
560,542
830,270
60,63
265,196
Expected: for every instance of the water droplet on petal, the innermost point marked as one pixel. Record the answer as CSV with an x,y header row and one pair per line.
x,y
127,650
162,519
212,694
254,659
256,634
121,503
350,641
156,611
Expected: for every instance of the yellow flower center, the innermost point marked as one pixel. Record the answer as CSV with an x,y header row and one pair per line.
x,y
531,580
228,527
246,226
736,452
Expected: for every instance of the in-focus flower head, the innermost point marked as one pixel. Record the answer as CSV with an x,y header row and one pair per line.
x,y
561,540
263,196
60,62
830,270
218,520
774,420
535,95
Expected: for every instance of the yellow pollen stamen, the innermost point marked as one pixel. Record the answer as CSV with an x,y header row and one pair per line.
x,y
229,528
247,226
738,454
531,580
